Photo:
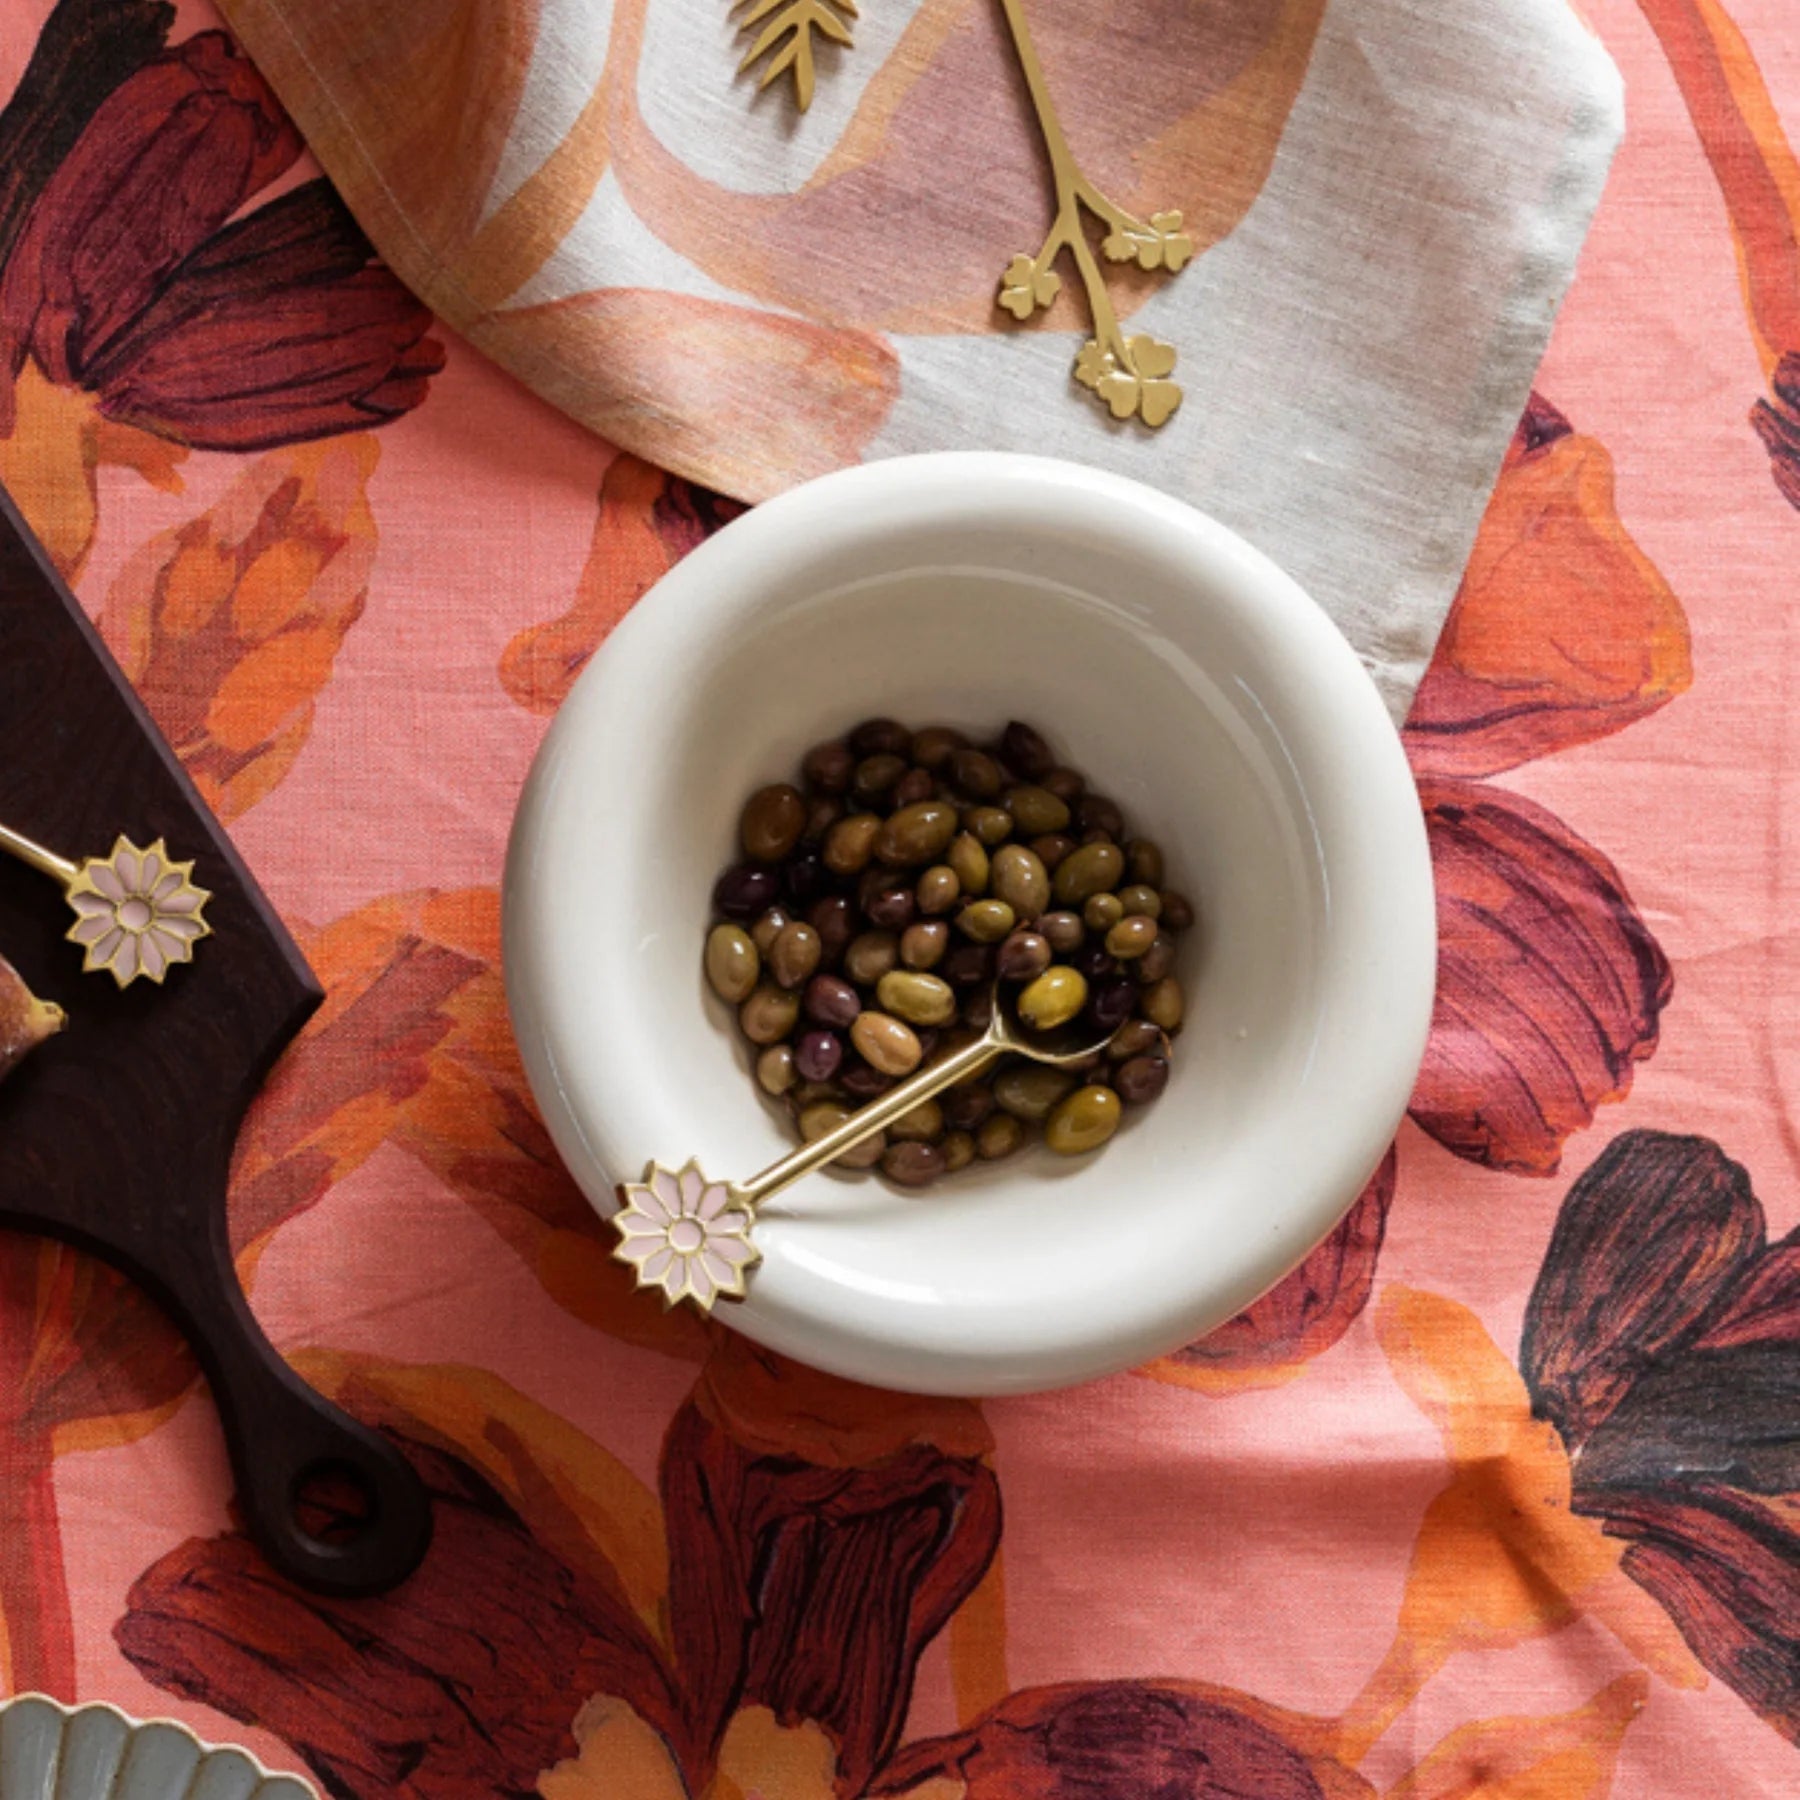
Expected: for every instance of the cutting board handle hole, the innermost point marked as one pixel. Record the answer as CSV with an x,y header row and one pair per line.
x,y
333,1502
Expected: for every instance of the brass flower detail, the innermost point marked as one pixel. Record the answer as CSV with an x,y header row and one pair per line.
x,y
137,912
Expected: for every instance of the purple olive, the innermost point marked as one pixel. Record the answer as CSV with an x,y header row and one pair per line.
x,y
745,890
818,1054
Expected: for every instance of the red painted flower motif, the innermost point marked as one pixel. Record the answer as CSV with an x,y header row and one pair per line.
x,y
1662,1340
122,276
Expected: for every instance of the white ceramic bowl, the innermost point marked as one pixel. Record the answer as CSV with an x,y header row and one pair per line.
x,y
1188,678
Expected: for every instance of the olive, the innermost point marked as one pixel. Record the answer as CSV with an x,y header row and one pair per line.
x,y
913,1164
768,928
967,1105
1163,1003
1092,961
1018,877
939,889
1177,912
1030,1091
830,1000
1093,869
978,1007
1140,1080
1131,937
1052,850
1137,1037
878,737
1083,1122
772,821
862,1082
826,1115
1000,1136
745,890
923,1124
1157,961
803,877
1102,912
1053,999
1022,956
964,965
1026,751
827,766
769,1014
975,773
968,858
822,813
912,787
1036,811
918,999
851,842
1137,898
833,920
732,964
919,833
991,824
775,1071
876,776
795,953
1064,931
870,956
933,747
1144,862
1111,1000
959,1151
1093,813
922,944
1065,784
818,1054
885,1043
986,921
891,908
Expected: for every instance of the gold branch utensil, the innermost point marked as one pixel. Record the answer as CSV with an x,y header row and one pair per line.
x,y
688,1236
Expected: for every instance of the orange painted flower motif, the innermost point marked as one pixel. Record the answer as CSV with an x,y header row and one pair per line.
x,y
143,310
1758,174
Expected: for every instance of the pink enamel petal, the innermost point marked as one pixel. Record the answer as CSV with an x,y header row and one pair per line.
x,y
94,927
124,960
713,1202
151,960
700,1282
100,954
723,1275
130,867
107,882
186,901
693,1185
93,906
632,1221
639,1250
169,884
186,931
733,1252
654,1272
151,872
667,1189
174,947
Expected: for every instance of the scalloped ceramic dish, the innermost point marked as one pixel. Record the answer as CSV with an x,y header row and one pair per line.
x,y
1192,681
49,1751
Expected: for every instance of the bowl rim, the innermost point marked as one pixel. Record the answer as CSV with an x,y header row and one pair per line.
x,y
1381,863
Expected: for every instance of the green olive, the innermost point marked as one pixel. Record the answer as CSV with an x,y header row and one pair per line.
x,y
1020,879
986,921
732,964
1083,1122
1030,1091
1036,811
1000,1135
1102,911
917,834
1163,1003
1091,869
885,1043
827,1115
969,858
1131,937
917,998
1053,999
924,1124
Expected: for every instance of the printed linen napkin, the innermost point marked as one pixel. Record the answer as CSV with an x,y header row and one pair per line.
x,y
1385,200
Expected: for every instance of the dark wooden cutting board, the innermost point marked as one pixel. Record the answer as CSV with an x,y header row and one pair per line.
x,y
117,1134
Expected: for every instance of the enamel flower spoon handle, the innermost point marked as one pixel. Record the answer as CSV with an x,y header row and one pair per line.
x,y
688,1236
137,912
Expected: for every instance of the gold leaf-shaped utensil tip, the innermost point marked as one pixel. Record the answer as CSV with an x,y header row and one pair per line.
x,y
25,1020
789,36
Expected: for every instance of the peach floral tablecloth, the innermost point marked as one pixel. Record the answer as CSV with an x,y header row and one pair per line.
x,y
1498,1497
